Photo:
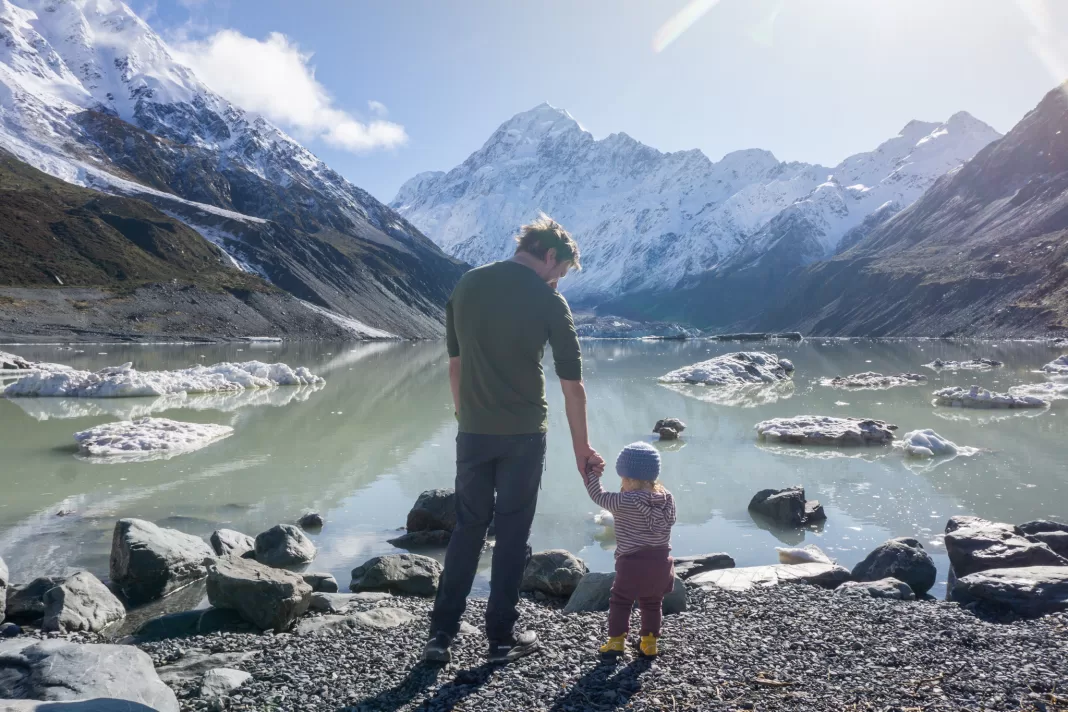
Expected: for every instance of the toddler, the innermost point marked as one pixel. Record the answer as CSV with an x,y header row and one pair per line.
x,y
644,512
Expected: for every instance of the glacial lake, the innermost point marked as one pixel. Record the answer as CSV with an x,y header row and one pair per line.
x,y
361,448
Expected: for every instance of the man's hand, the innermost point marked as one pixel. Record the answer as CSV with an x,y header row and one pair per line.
x,y
589,460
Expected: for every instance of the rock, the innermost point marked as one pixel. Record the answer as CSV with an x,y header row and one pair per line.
x,y
687,566
425,539
398,573
825,430
195,663
976,397
1058,366
203,621
98,704
311,520
733,369
1027,590
26,603
1053,534
903,559
595,589
319,582
787,507
267,597
382,618
81,603
555,572
741,579
881,588
59,671
804,555
869,380
668,433
9,630
669,428
974,545
284,545
220,682
228,541
975,364
149,562
11,362
435,509
340,602
3,588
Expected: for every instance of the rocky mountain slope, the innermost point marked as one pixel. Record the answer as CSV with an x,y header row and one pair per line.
x,y
90,94
984,251
647,221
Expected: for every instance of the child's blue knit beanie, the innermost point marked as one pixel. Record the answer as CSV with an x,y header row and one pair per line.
x,y
639,461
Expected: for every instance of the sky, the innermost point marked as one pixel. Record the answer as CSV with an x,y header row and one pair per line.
x,y
384,89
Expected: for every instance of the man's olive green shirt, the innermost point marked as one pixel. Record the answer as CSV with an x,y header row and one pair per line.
x,y
497,321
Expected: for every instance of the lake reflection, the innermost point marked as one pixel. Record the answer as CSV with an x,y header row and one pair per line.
x,y
362,447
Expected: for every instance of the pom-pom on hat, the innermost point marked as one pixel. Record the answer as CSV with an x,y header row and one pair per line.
x,y
639,461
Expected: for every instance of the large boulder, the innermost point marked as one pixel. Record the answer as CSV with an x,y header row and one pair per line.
x,y
3,588
903,559
25,604
435,509
98,704
555,572
267,597
201,621
149,562
81,603
975,544
687,566
747,577
883,588
321,582
398,573
1053,534
228,541
59,671
1027,590
284,545
786,507
595,589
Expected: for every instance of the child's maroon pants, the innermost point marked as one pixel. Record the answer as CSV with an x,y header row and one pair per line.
x,y
645,576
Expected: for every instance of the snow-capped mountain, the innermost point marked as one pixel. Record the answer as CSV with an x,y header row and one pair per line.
x,y
646,220
90,94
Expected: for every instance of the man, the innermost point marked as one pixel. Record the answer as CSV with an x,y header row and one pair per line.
x,y
497,323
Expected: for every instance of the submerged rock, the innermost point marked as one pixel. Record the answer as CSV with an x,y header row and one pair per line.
x,y
149,562
59,671
733,369
881,588
555,572
228,541
975,364
787,507
903,559
1028,590
431,539
267,597
976,397
825,430
688,566
594,590
975,544
80,604
874,381
284,545
311,520
1058,366
746,577
398,573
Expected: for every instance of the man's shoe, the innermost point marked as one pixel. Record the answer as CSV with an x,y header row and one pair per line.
x,y
506,651
437,649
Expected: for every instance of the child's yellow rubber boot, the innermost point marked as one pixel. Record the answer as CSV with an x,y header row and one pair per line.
x,y
648,646
615,645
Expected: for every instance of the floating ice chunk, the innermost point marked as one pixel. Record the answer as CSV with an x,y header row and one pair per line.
x,y
125,381
147,438
604,518
975,364
927,443
870,380
808,554
825,430
1057,366
15,366
1046,391
976,397
733,369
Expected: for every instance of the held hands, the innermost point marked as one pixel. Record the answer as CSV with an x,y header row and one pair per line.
x,y
589,461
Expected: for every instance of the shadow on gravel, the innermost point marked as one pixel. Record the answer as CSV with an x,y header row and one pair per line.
x,y
605,687
456,690
417,681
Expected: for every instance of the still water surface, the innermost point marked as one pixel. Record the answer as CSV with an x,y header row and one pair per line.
x,y
361,449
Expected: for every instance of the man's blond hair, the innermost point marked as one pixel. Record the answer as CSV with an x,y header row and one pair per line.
x,y
545,234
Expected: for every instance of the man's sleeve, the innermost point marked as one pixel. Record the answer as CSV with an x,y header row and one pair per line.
x,y
451,342
567,356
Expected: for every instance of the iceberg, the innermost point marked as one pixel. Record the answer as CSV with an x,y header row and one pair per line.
x,y
976,397
1046,391
147,439
975,364
870,380
825,430
733,369
127,382
1058,366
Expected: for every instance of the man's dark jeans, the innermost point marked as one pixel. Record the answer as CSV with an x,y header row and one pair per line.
x,y
497,477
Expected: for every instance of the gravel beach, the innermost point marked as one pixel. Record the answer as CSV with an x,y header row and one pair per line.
x,y
788,647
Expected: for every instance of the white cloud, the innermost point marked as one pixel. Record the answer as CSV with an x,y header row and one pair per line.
x,y
377,108
274,78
